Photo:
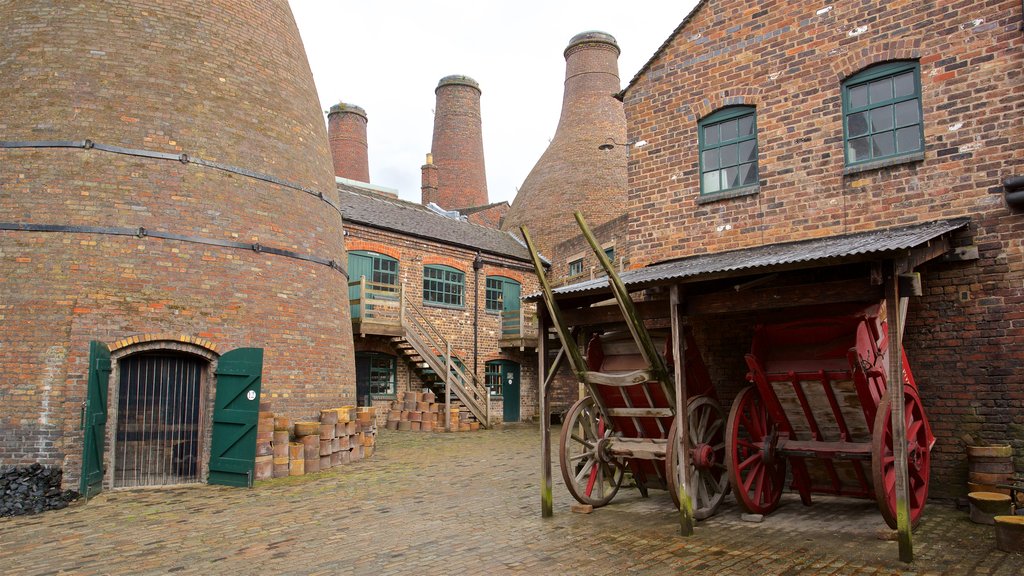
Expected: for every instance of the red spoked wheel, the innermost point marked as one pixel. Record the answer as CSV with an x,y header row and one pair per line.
x,y
591,476
757,472
708,481
883,461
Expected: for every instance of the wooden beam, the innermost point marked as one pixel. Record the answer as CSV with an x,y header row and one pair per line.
x,y
682,427
611,314
896,402
962,254
641,412
856,290
547,509
910,284
626,379
920,254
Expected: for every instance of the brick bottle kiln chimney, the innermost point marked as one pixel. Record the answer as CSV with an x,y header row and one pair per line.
x,y
458,146
573,174
189,219
346,131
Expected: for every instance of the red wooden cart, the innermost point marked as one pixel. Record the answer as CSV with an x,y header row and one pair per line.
x,y
818,401
626,424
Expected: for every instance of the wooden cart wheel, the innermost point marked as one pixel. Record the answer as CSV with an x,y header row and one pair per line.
x,y
883,462
591,477
757,472
708,479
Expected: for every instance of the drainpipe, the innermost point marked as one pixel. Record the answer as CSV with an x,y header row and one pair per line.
x,y
478,263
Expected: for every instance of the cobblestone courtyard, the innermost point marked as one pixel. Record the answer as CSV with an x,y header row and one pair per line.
x,y
467,504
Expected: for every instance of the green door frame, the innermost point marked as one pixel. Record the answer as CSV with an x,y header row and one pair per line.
x,y
94,420
510,389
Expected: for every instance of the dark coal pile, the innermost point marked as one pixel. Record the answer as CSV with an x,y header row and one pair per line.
x,y
32,489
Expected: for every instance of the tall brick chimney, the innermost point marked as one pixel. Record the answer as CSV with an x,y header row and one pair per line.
x,y
458,145
428,180
573,174
346,131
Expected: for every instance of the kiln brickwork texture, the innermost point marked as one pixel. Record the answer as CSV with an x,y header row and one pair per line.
x,y
573,174
346,131
458,145
226,82
788,60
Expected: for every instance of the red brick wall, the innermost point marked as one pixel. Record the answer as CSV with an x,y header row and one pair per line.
x,y
346,131
573,174
458,145
788,59
455,324
611,234
236,89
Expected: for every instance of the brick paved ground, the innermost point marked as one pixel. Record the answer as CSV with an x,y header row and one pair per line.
x,y
465,504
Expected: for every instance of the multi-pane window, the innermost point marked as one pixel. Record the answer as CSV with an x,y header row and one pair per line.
x,y
610,253
576,267
377,372
493,376
727,141
443,285
493,294
882,112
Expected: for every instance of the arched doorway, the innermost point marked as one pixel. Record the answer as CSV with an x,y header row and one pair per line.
x,y
161,412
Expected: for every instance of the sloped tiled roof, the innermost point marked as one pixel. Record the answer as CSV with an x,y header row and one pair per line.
x,y
816,252
378,211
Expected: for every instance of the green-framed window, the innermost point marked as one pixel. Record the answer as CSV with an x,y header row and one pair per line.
x,y
576,267
443,286
727,141
376,373
882,113
493,376
378,268
501,294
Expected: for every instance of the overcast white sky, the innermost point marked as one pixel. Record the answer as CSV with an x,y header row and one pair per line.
x,y
387,56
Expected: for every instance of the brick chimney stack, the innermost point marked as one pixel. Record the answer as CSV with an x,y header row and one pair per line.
x,y
346,131
428,180
573,174
458,146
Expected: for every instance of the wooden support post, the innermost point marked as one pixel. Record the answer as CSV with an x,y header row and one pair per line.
x,y
401,305
899,424
547,509
447,389
682,427
362,298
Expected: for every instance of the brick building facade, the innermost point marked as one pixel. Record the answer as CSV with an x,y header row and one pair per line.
x,y
469,300
780,121
164,192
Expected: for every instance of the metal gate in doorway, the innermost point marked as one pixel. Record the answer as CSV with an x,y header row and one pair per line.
x,y
159,419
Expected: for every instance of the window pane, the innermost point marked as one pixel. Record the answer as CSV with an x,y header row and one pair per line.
x,y
907,113
746,125
881,90
748,174
710,158
883,145
881,119
731,178
748,151
908,139
859,96
857,124
728,130
728,155
904,84
711,135
711,182
858,149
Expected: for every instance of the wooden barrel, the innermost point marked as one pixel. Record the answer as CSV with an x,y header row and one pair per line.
x,y
989,464
1010,533
307,428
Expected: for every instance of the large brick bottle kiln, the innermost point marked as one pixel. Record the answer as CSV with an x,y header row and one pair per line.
x,y
166,194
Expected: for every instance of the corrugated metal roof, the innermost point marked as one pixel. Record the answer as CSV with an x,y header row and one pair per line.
x,y
813,252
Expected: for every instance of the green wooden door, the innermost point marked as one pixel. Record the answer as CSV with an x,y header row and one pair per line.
x,y
358,265
510,296
235,414
510,391
94,420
